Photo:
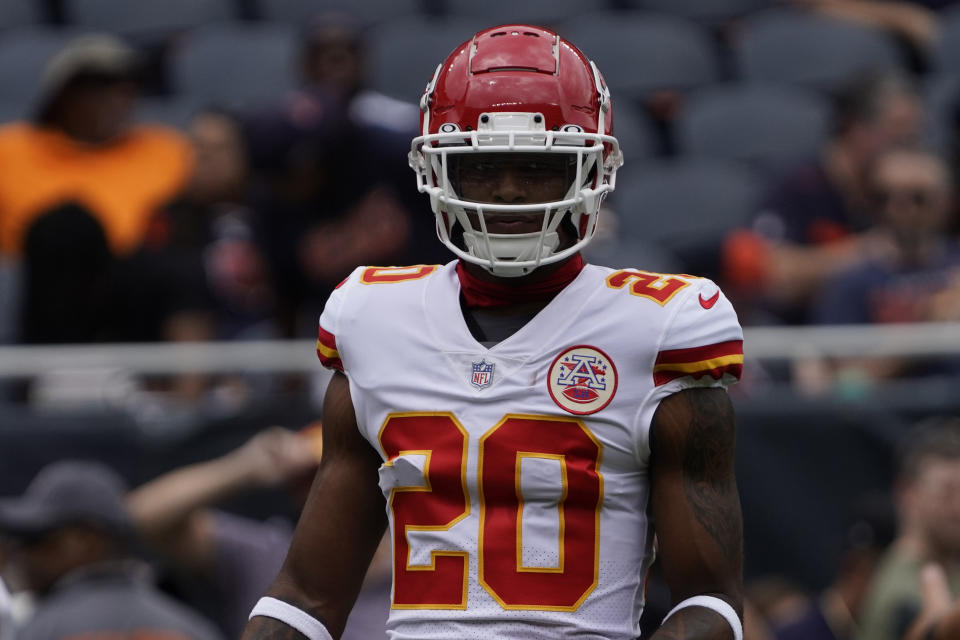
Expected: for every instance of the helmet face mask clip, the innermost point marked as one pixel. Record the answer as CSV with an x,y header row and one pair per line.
x,y
543,99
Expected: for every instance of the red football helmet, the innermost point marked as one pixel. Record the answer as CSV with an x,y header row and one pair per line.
x,y
516,89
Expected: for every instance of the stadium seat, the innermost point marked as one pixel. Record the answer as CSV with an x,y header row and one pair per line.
x,y
235,65
11,111
794,47
298,12
403,54
633,131
23,55
681,205
146,18
708,11
19,13
942,97
539,12
173,112
640,52
11,277
769,128
630,253
946,52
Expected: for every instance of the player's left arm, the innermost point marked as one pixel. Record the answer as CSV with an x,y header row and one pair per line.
x,y
696,510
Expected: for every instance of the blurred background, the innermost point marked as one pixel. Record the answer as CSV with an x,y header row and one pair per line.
x,y
182,183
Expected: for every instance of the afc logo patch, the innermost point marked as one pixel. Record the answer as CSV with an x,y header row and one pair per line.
x,y
482,374
582,380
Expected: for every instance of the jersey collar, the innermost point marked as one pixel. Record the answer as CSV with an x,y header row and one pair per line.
x,y
481,293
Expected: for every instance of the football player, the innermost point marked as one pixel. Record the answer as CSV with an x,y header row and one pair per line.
x,y
529,427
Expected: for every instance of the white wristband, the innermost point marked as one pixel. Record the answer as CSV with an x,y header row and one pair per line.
x,y
716,604
291,615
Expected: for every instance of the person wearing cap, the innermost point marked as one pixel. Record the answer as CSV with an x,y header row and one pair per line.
x,y
81,146
79,185
71,534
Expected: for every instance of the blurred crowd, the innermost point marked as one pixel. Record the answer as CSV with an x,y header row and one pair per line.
x,y
876,593
803,153
236,226
86,556
138,207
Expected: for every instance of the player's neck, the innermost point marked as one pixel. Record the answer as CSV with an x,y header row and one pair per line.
x,y
481,289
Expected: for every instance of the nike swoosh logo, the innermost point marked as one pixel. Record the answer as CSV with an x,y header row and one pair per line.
x,y
709,302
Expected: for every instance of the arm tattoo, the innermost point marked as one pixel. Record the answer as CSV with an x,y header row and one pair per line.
x,y
709,482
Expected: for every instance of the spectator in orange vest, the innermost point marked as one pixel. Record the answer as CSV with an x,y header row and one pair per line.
x,y
82,147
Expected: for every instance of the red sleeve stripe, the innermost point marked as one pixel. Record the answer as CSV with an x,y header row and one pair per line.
x,y
327,340
327,350
696,354
713,360
330,363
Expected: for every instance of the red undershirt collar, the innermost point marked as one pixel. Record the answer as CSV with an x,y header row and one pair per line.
x,y
480,293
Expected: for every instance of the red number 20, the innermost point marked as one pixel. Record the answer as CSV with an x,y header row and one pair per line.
x,y
443,501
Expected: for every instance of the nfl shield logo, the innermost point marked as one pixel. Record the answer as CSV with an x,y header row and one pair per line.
x,y
482,374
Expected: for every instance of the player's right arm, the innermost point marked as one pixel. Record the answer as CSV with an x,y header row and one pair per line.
x,y
694,502
339,530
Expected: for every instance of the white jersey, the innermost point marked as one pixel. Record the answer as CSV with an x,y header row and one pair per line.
x,y
516,476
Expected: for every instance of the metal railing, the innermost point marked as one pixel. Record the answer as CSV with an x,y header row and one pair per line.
x,y
297,356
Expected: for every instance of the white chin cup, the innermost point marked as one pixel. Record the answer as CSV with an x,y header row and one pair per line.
x,y
511,247
506,251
